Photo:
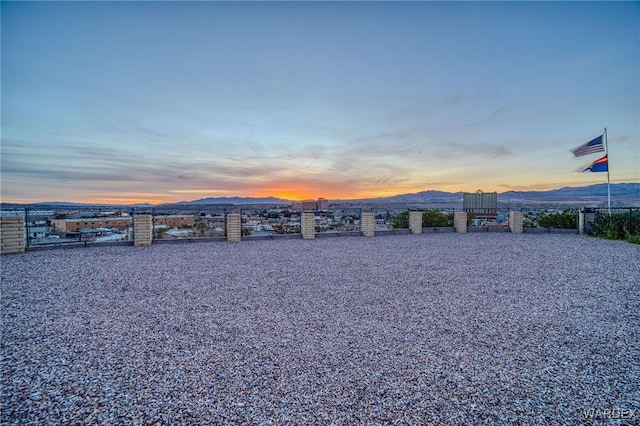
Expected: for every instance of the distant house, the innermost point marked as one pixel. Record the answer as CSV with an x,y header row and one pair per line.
x,y
38,231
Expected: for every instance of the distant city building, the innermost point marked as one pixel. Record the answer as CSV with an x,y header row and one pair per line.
x,y
309,205
323,204
175,220
319,204
74,225
121,223
481,204
21,212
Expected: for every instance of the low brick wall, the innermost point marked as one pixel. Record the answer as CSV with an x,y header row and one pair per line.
x,y
142,230
550,231
460,222
404,231
340,234
234,227
12,234
488,229
437,229
368,224
415,222
308,226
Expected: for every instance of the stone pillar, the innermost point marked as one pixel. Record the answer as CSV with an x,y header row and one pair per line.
x,y
368,224
142,230
308,226
581,222
234,227
415,222
12,234
460,222
515,222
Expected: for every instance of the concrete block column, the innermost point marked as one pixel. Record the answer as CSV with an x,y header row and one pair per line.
x,y
415,222
585,221
142,230
581,222
368,224
460,222
515,222
234,227
12,234
308,226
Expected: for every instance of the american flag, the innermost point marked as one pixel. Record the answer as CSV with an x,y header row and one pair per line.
x,y
590,147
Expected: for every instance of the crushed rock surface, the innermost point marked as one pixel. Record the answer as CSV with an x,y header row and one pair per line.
x,y
409,329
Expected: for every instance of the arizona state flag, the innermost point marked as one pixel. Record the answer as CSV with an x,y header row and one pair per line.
x,y
600,165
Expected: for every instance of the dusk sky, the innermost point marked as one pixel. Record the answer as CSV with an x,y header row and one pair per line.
x,y
122,102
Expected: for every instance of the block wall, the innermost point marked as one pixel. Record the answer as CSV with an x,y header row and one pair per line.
x,y
415,222
234,227
12,234
368,224
460,222
142,230
308,226
515,222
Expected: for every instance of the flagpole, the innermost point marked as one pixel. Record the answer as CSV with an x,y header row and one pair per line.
x,y
606,147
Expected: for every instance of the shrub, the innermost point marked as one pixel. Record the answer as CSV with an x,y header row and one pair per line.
x,y
430,219
434,218
567,219
634,239
470,217
618,226
529,220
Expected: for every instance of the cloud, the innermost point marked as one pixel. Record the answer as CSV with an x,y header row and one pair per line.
x,y
474,152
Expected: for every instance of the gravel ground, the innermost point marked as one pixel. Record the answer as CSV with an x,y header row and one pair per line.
x,y
409,329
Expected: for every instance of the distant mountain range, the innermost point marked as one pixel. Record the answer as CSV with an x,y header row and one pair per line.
x,y
619,190
237,200
627,191
623,190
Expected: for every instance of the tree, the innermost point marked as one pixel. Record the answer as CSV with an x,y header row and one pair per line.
x,y
201,226
400,221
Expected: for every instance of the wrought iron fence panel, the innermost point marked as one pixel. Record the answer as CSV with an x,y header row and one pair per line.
x,y
188,222
270,221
